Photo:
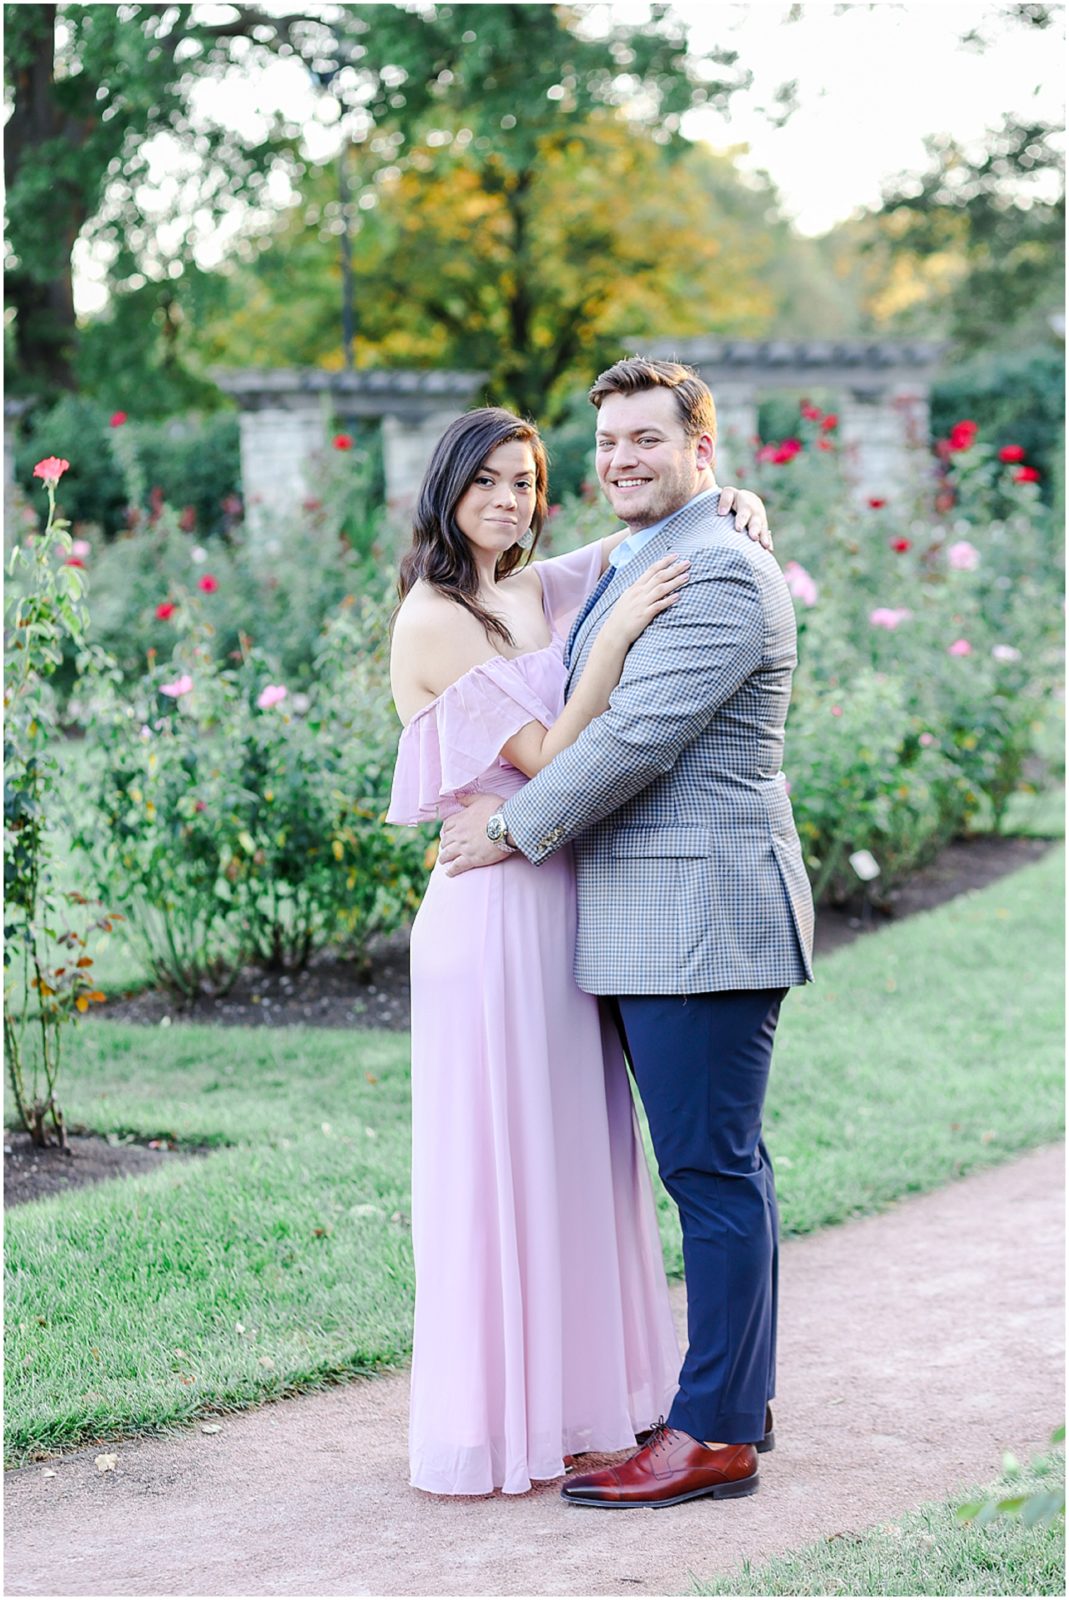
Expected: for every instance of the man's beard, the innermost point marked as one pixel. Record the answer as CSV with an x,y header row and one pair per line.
x,y
666,495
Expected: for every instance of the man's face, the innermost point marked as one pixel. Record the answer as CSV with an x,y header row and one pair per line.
x,y
646,465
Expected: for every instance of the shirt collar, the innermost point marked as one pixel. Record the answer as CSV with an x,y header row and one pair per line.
x,y
635,542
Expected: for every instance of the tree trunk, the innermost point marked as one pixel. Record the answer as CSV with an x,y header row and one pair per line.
x,y
45,330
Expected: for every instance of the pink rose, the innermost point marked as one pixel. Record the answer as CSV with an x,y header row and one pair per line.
x,y
963,556
272,695
889,616
800,583
927,740
179,687
836,711
51,469
960,647
80,548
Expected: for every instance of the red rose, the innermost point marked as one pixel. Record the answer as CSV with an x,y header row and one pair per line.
x,y
1026,475
901,545
830,421
165,611
343,441
963,436
811,413
1011,453
117,419
875,502
207,584
74,561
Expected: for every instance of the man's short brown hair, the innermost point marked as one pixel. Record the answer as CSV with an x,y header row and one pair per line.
x,y
637,373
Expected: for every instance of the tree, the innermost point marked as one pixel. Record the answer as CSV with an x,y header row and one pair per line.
x,y
999,217
92,85
620,239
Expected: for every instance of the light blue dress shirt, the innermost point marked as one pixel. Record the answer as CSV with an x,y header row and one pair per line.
x,y
637,541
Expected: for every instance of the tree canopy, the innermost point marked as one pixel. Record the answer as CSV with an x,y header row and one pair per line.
x,y
92,86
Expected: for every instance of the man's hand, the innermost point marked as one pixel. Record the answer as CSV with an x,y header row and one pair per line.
x,y
750,514
464,843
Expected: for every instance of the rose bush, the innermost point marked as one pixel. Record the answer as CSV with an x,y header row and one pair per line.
x,y
240,823
929,647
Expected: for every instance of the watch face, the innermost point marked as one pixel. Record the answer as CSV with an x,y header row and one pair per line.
x,y
495,827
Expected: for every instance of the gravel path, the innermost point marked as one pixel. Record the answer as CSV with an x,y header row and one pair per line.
x,y
915,1347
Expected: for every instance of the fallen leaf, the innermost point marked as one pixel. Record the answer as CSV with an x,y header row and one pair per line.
x,y
371,1133
211,1427
371,1078
183,1355
107,1463
265,1361
48,1473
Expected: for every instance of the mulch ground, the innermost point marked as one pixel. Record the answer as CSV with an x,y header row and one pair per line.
x,y
31,1174
332,993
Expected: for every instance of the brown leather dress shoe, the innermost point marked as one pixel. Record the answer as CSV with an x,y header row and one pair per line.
x,y
768,1442
669,1468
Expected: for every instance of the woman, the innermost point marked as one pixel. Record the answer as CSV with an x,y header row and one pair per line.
x,y
542,1324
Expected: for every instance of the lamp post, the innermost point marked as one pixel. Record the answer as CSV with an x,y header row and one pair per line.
x,y
348,331
323,78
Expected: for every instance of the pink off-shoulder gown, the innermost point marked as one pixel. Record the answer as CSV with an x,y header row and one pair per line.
x,y
542,1322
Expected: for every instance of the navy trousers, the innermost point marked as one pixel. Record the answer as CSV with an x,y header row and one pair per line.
x,y
701,1063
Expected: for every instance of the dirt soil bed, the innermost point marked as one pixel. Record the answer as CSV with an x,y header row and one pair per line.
x,y
31,1174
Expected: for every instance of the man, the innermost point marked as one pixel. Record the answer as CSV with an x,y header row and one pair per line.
x,y
695,914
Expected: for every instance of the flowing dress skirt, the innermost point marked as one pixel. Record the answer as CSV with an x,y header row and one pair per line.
x,y
542,1319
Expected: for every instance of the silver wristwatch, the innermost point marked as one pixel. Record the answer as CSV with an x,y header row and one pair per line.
x,y
497,831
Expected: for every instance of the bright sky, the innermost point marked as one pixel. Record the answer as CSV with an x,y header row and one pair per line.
x,y
873,81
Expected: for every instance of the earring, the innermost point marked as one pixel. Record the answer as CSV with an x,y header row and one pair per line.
x,y
526,540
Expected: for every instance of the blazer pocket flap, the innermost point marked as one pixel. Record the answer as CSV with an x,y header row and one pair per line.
x,y
662,842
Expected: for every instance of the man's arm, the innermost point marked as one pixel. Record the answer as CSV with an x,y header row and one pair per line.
x,y
678,673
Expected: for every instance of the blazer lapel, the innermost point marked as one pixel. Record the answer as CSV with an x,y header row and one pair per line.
x,y
604,596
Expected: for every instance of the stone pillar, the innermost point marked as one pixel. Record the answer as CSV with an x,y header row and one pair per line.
x,y
280,441
884,436
407,445
736,428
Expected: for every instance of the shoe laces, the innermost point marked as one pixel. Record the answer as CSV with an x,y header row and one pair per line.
x,y
657,1443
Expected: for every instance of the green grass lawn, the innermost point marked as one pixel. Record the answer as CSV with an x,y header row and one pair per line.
x,y
927,1552
283,1260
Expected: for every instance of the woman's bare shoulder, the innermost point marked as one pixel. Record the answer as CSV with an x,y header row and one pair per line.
x,y
427,613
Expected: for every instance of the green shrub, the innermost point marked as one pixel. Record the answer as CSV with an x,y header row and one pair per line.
x,y
238,821
1016,397
193,462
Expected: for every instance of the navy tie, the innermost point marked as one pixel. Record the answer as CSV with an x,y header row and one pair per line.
x,y
588,606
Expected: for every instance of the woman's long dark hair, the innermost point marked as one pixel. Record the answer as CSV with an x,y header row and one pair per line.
x,y
440,554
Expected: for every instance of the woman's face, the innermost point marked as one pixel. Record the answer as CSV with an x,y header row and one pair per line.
x,y
498,504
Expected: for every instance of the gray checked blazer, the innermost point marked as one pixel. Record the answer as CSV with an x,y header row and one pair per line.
x,y
689,868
